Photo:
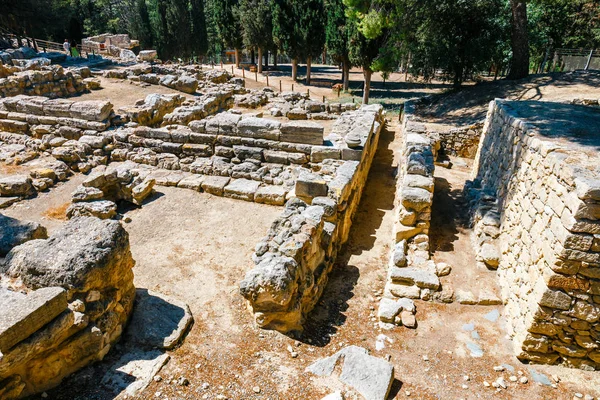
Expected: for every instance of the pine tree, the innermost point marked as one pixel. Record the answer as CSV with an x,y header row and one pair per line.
x,y
228,25
255,18
336,33
198,42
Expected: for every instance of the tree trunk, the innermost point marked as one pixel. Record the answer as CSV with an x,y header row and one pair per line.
x,y
294,68
367,88
275,57
346,75
308,65
237,58
259,64
519,64
252,56
267,59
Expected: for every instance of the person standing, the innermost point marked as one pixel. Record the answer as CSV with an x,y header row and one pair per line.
x,y
67,46
74,51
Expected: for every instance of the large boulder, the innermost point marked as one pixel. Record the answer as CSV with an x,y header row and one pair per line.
x,y
86,254
14,232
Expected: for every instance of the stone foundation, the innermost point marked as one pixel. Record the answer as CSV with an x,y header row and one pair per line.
x,y
461,142
292,263
67,301
537,172
48,81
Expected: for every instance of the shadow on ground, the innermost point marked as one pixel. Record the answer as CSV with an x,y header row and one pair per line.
x,y
377,197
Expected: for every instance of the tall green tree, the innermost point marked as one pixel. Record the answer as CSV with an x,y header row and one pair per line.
x,y
336,37
228,26
255,18
198,42
311,27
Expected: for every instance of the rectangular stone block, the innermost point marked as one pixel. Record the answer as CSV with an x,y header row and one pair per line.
x,y
215,184
309,185
273,195
414,276
22,316
242,189
259,128
320,153
302,132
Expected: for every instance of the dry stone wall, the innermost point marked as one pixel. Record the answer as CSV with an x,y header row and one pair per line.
x,y
461,142
294,259
51,81
544,188
66,304
411,274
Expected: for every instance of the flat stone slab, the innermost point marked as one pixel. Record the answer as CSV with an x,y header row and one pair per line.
x,y
372,377
270,194
215,184
7,201
242,189
134,371
23,315
158,321
193,182
302,132
414,276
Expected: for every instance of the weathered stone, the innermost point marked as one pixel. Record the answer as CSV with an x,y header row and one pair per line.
x,y
215,184
274,195
259,128
14,232
86,253
23,315
556,299
103,209
242,189
302,132
370,376
158,321
388,309
414,276
16,185
309,185
416,198
91,110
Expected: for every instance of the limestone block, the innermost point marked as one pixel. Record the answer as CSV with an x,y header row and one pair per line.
x,y
269,194
555,299
302,132
215,184
242,189
24,315
407,291
15,185
414,276
416,199
14,232
320,153
91,110
309,185
259,128
193,182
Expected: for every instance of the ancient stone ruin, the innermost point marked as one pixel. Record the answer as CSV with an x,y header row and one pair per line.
x,y
67,289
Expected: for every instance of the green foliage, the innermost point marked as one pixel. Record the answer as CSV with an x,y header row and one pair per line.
x,y
256,20
298,27
227,24
336,30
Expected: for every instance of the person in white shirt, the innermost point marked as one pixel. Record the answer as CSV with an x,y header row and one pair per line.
x,y
67,46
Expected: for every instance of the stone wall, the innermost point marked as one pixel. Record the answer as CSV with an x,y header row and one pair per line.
x,y
461,142
541,180
67,301
294,259
51,81
411,272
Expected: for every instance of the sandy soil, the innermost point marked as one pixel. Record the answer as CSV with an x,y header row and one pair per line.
x,y
122,92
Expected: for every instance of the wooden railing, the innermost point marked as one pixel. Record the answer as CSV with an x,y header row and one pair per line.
x,y
43,45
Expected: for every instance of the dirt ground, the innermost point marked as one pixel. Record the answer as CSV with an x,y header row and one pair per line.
x,y
122,93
